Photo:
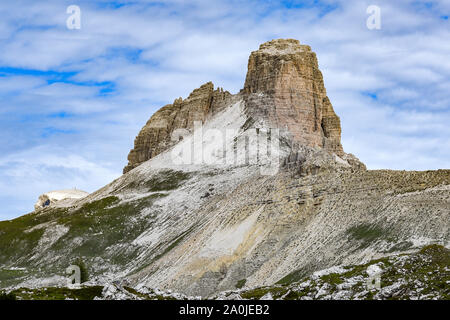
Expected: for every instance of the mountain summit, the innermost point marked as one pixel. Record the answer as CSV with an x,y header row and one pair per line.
x,y
155,136
227,191
283,89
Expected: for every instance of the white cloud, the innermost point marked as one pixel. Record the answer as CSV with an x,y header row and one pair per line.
x,y
17,84
27,174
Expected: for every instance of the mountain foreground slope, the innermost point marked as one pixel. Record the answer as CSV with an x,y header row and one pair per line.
x,y
222,190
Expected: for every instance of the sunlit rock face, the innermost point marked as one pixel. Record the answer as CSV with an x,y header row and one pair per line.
x,y
283,90
155,136
285,87
49,198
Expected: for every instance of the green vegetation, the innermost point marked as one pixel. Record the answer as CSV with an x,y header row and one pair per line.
x,y
294,295
168,180
149,296
7,274
163,181
83,269
160,297
258,293
332,278
98,205
429,267
99,224
241,283
439,254
136,293
255,294
53,293
18,239
7,296
360,269
367,234
423,274
294,276
104,223
10,277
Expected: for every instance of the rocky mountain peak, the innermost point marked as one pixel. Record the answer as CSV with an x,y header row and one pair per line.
x,y
226,222
155,136
283,89
277,59
278,45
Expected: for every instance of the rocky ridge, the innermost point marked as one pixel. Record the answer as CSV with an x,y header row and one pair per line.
x,y
200,229
283,89
156,136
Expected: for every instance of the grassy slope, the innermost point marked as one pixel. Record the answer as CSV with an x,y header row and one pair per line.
x,y
107,223
99,225
423,275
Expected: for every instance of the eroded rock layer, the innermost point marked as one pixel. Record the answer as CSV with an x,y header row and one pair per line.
x,y
284,87
155,136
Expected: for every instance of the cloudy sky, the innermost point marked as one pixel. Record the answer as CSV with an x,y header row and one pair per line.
x,y
72,101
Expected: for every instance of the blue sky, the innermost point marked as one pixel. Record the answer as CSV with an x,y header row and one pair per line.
x,y
72,101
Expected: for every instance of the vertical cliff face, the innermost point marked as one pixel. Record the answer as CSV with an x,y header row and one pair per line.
x,y
284,87
155,136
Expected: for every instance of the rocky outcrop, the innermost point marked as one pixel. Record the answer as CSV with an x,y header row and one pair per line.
x,y
155,136
50,198
284,88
